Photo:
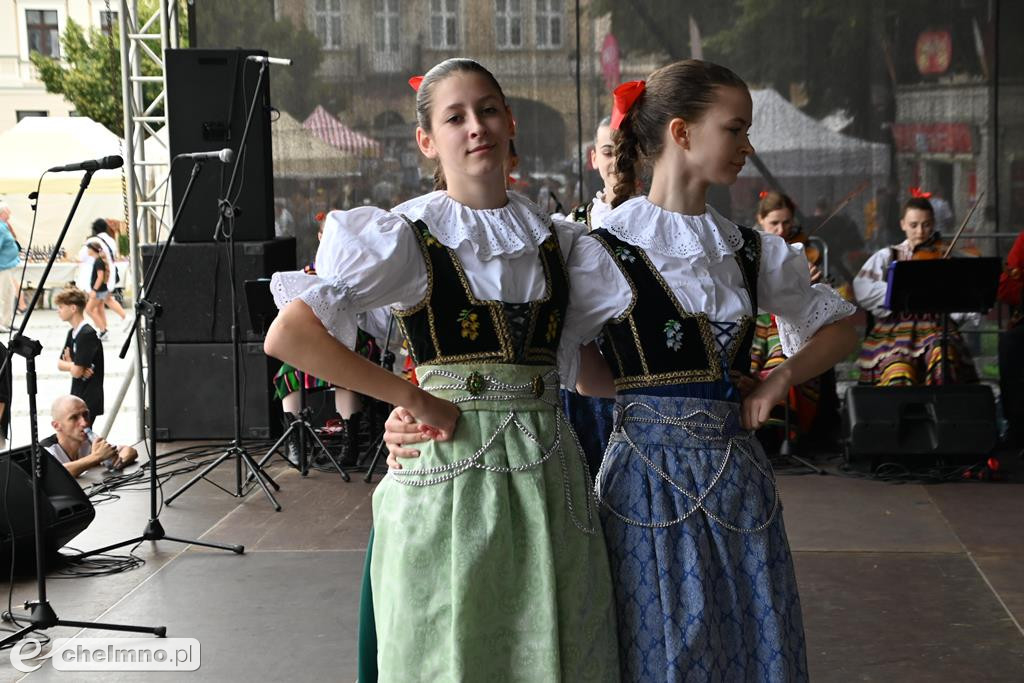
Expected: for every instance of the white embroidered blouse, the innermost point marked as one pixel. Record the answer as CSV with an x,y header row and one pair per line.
x,y
369,259
693,254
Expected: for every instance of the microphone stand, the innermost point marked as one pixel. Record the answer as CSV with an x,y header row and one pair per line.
x,y
41,614
150,310
228,211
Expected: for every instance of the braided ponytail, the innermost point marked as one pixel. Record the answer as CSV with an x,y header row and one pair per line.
x,y
627,156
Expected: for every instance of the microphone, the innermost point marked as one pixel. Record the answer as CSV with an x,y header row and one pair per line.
x,y
269,60
90,165
225,155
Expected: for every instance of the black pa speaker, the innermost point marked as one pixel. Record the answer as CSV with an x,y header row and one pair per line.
x,y
208,94
919,426
193,287
194,392
65,509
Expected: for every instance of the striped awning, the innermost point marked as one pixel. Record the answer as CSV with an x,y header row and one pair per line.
x,y
338,135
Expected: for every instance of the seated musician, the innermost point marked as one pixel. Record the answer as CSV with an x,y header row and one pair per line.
x,y
1011,344
906,349
814,416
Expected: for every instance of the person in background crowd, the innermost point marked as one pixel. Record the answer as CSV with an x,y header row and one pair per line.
x,y
10,259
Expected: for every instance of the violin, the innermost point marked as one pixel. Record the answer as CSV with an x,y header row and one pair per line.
x,y
932,249
935,247
812,252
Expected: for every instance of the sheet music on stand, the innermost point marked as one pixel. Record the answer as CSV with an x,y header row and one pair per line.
x,y
954,285
260,304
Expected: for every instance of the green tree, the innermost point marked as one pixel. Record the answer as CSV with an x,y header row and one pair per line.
x,y
88,73
243,23
89,77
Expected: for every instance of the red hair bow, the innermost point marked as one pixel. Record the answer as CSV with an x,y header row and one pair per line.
x,y
762,194
414,82
623,98
321,216
918,194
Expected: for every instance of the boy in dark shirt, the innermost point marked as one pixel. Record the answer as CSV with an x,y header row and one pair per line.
x,y
82,356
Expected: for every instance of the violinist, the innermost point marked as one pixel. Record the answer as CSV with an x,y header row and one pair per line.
x,y
814,410
906,349
775,216
1011,344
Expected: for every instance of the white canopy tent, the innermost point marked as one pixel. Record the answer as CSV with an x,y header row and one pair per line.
x,y
793,144
38,143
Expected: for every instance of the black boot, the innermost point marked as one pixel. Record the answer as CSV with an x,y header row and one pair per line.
x,y
353,444
291,445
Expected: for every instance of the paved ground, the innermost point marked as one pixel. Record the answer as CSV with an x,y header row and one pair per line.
x,y
45,327
898,582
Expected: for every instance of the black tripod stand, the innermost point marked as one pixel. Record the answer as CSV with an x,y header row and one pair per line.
x,y
41,615
301,428
144,308
262,312
225,231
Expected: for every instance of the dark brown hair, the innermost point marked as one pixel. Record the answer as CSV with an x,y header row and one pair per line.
x,y
425,100
920,203
772,201
683,90
71,296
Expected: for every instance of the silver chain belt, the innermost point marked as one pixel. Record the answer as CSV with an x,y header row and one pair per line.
x,y
487,388
689,424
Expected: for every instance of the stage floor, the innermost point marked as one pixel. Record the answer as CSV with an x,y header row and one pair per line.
x,y
898,582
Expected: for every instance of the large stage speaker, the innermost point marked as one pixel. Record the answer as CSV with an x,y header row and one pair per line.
x,y
208,94
193,287
66,511
919,426
194,392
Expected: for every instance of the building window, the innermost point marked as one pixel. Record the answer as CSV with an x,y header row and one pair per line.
x,y
327,23
25,113
508,23
444,24
43,32
108,21
550,17
385,26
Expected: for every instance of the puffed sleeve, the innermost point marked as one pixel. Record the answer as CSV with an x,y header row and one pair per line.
x,y
368,258
784,288
870,285
598,293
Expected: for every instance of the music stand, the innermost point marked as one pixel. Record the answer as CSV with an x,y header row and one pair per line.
x,y
262,311
943,286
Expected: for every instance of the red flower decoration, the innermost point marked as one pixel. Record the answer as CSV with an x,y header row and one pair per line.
x,y
321,216
762,194
414,82
917,193
623,98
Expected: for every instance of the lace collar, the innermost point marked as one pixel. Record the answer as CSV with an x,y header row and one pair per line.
x,y
708,236
599,209
516,228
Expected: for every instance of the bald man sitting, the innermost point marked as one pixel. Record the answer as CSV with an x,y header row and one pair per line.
x,y
73,447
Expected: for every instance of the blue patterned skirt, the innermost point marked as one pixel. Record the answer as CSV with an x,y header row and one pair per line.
x,y
703,575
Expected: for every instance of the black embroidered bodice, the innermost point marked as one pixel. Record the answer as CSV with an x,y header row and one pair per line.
x,y
581,214
450,325
656,343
